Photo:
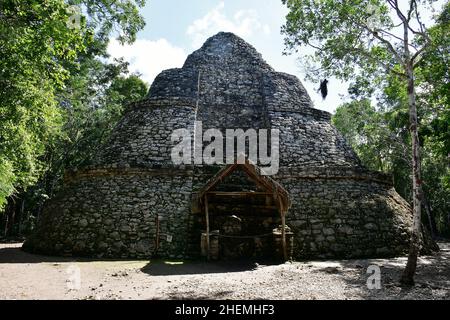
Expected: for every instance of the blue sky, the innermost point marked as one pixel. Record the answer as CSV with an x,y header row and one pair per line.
x,y
176,28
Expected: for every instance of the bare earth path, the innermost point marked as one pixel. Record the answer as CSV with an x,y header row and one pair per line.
x,y
27,276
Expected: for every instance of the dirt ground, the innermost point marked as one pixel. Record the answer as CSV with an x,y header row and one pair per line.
x,y
28,276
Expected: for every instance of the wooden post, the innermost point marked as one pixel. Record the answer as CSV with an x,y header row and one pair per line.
x,y
283,233
207,227
157,235
283,227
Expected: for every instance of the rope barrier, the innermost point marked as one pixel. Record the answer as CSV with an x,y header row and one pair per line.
x,y
242,237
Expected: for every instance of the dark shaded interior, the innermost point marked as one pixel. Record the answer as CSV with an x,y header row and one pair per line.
x,y
242,217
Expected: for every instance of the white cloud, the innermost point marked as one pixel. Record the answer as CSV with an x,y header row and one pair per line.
x,y
243,23
266,29
148,57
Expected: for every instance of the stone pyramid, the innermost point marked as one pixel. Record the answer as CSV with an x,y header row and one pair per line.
x,y
135,202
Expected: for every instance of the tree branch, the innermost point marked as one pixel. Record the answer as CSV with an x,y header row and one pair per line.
x,y
386,66
416,55
391,34
388,44
412,5
394,5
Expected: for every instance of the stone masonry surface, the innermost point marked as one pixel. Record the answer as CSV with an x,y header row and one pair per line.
x,y
114,207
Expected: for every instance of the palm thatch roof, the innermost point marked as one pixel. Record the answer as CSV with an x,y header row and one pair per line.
x,y
255,174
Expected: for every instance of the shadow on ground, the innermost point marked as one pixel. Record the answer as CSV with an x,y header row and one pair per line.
x,y
432,276
17,255
165,279
157,267
13,253
168,268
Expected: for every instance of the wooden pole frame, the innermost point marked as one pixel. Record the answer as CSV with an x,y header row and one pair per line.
x,y
207,228
283,228
269,187
157,234
283,231
283,235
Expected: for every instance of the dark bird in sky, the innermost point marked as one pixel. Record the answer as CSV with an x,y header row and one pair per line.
x,y
323,88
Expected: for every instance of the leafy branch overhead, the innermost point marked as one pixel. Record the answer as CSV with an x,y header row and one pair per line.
x,y
358,36
43,52
370,39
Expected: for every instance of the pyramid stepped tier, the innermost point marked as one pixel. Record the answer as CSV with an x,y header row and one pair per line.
x,y
226,85
134,202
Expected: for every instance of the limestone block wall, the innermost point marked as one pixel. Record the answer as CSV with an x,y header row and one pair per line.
x,y
143,135
109,209
346,213
113,214
229,116
226,48
181,83
309,140
232,84
284,92
306,134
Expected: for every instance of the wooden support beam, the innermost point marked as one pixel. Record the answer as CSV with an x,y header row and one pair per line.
x,y
157,221
258,180
283,229
283,235
211,184
207,228
238,193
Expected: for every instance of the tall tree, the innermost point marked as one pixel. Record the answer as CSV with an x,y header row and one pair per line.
x,y
45,46
373,38
379,144
34,41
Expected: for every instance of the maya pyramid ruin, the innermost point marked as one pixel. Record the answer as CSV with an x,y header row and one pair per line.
x,y
134,202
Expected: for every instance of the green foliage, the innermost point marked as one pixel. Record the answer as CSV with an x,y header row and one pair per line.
x,y
35,41
382,141
368,131
434,79
336,29
7,180
363,42
49,70
88,117
362,124
92,106
126,89
107,16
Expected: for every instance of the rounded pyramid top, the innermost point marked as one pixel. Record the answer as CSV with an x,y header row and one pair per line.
x,y
225,84
226,48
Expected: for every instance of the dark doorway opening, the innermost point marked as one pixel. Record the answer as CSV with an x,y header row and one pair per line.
x,y
243,215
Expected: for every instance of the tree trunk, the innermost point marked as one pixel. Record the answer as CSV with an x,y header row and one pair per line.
x,y
19,218
410,269
448,220
10,213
